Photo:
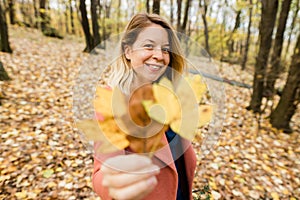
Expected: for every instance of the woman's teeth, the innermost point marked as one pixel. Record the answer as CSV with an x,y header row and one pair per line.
x,y
155,67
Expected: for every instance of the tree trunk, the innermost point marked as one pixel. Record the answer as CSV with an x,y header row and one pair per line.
x,y
274,73
119,17
179,3
71,17
268,18
148,6
108,9
230,42
186,14
156,6
95,25
203,7
67,17
171,12
3,74
36,15
286,108
27,18
245,57
4,42
12,11
105,31
43,15
86,27
295,16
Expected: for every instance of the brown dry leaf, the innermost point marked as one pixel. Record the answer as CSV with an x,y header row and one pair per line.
x,y
147,144
144,133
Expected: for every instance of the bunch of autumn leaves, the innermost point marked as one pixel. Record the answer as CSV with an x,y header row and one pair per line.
x,y
140,120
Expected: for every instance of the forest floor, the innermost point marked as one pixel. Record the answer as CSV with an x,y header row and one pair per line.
x,y
43,157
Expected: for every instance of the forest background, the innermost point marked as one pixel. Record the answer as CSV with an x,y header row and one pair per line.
x,y
254,44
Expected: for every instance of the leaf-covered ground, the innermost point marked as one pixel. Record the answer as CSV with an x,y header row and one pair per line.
x,y
42,156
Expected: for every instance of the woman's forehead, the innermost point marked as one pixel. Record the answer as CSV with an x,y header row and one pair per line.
x,y
154,33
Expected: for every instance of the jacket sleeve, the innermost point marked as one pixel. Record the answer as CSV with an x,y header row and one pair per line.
x,y
97,181
97,175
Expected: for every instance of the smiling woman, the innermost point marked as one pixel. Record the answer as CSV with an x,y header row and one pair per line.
x,y
150,53
152,38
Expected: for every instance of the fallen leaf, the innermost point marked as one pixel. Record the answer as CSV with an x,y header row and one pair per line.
x,y
48,173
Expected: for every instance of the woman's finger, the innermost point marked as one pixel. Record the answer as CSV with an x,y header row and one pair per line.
x,y
124,179
125,163
136,191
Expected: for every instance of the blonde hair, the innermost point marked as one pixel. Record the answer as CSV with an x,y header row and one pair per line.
x,y
121,72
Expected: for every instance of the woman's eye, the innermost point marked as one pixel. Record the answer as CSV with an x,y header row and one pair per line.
x,y
148,46
165,50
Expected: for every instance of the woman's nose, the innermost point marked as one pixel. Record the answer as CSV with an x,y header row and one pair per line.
x,y
158,54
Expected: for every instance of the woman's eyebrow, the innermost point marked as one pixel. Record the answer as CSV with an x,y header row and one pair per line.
x,y
149,40
152,41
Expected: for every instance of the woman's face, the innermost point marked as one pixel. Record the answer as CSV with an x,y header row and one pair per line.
x,y
149,55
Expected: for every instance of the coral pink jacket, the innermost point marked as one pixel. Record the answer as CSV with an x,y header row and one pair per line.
x,y
166,188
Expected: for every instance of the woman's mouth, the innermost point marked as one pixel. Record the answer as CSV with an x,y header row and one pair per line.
x,y
154,67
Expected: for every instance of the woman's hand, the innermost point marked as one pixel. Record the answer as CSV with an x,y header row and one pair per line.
x,y
129,176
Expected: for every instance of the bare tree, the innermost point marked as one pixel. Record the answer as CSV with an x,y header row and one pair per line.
x,y
4,42
156,6
179,4
267,22
71,17
294,19
44,18
203,6
86,27
25,11
287,105
119,17
12,11
230,41
148,6
171,12
36,14
274,73
95,25
185,17
245,57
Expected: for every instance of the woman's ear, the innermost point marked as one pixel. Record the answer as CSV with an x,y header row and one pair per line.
x,y
127,52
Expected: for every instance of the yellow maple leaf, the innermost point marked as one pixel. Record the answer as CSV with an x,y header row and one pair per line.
x,y
109,103
107,133
103,102
122,124
192,87
180,108
166,100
